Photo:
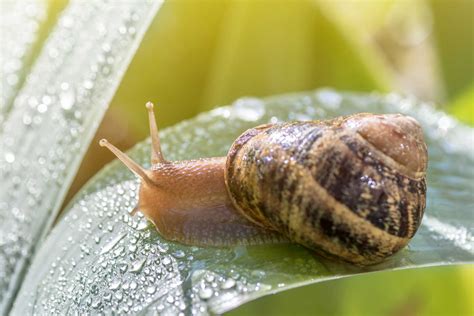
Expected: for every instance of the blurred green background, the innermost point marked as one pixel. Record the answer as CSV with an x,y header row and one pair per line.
x,y
199,54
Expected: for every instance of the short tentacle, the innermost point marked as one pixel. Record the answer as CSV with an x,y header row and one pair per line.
x,y
156,153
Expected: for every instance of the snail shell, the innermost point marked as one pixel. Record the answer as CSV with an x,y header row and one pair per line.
x,y
351,188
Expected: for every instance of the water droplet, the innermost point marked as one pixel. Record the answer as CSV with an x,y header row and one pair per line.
x,y
42,108
166,261
258,273
67,21
106,47
118,251
122,267
206,293
27,119
46,100
125,286
137,265
151,290
228,284
111,244
179,254
108,297
248,109
273,120
115,284
330,98
9,157
118,295
142,225
234,274
209,277
96,304
88,84
163,248
67,99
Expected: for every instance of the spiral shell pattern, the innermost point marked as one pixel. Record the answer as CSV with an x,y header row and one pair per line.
x,y
325,185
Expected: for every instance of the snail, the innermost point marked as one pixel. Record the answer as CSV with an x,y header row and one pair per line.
x,y
351,188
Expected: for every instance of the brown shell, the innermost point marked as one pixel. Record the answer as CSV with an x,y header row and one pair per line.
x,y
340,186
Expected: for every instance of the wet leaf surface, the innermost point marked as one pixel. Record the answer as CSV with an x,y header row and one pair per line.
x,y
101,259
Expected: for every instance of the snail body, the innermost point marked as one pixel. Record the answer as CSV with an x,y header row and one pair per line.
x,y
352,187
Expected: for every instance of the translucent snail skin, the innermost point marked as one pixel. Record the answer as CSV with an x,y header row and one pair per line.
x,y
351,188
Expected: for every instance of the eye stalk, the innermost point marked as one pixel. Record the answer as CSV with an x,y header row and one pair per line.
x,y
156,153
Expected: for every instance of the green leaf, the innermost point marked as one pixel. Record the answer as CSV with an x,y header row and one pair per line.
x,y
100,259
454,33
463,106
422,292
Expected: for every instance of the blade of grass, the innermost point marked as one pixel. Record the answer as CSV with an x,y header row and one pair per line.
x,y
54,118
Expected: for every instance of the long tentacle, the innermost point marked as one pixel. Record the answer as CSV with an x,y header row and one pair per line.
x,y
156,153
